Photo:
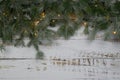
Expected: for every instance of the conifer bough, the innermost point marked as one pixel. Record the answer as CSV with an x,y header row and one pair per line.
x,y
31,19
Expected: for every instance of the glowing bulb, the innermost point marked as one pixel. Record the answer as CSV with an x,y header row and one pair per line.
x,y
114,32
43,15
41,19
58,15
36,34
4,14
36,23
53,20
96,5
84,23
25,31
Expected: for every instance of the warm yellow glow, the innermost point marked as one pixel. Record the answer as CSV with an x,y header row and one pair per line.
x,y
41,19
36,34
43,14
114,32
53,20
4,14
96,5
25,31
36,23
58,15
84,23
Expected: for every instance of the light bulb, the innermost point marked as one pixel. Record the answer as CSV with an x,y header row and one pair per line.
x,y
4,14
36,34
58,15
43,14
53,20
36,23
84,23
114,32
96,5
41,19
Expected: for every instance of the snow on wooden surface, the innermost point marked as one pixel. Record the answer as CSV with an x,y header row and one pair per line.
x,y
54,70
64,60
75,59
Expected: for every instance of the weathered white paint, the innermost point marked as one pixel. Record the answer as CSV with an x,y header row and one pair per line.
x,y
46,70
74,59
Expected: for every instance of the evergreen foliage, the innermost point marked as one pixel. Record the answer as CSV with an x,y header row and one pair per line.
x,y
20,19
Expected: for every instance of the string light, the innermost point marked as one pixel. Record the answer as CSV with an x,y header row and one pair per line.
x,y
84,23
43,14
25,31
53,20
36,23
58,15
36,34
41,19
114,32
4,14
96,5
